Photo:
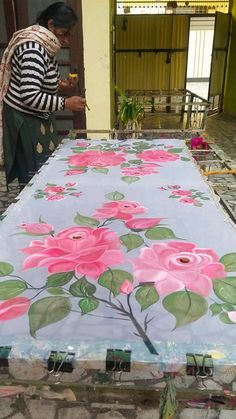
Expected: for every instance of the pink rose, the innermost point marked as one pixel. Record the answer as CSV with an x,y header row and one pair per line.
x,y
74,172
54,189
181,192
57,197
96,158
141,170
71,184
188,201
123,210
13,308
142,223
82,144
84,250
174,266
37,228
76,194
126,287
157,156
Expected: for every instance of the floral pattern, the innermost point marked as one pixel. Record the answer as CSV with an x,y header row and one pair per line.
x,y
190,196
116,254
53,192
100,159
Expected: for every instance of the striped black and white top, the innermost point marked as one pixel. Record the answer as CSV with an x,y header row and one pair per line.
x,y
34,81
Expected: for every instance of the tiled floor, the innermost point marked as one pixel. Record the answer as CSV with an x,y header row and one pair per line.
x,y
221,130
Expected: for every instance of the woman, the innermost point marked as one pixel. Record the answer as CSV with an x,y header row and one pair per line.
x,y
29,85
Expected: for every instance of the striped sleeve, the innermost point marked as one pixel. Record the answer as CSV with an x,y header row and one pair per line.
x,y
34,66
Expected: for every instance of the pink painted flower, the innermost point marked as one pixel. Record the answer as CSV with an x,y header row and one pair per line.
x,y
142,223
71,184
54,189
13,308
37,228
168,146
56,197
126,287
76,194
174,266
157,156
123,210
181,192
74,172
188,201
95,158
84,250
142,170
83,144
232,316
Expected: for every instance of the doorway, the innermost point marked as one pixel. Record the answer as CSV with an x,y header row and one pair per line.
x,y
201,35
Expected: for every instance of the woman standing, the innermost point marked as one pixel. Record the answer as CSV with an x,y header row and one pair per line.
x,y
29,87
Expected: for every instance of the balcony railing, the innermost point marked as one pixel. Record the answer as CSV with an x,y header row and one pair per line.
x,y
177,109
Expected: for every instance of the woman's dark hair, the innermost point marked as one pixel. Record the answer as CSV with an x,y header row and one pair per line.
x,y
63,16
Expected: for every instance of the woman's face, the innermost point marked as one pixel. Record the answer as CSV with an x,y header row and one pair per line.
x,y
62,34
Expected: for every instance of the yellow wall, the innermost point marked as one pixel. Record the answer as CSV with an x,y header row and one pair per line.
x,y
229,104
96,30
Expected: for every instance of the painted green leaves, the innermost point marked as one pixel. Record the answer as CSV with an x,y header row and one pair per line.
x,y
229,261
146,296
11,288
5,269
160,233
47,311
186,307
113,279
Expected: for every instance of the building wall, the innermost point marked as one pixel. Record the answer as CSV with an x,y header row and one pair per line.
x,y
96,29
229,104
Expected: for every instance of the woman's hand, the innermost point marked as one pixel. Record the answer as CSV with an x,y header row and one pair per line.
x,y
68,85
75,103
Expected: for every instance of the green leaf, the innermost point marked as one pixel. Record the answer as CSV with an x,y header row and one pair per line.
x,y
100,170
88,304
175,150
215,309
130,179
135,161
115,196
47,311
229,261
225,289
187,307
228,307
85,221
146,296
225,318
55,291
184,159
82,288
11,288
160,233
57,280
131,241
5,269
113,279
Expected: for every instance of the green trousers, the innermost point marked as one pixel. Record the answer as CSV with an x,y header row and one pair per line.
x,y
28,141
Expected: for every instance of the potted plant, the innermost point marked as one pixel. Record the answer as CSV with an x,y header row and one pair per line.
x,y
130,112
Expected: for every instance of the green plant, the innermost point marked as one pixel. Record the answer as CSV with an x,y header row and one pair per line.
x,y
131,111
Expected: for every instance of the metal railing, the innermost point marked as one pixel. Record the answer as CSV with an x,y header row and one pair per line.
x,y
177,109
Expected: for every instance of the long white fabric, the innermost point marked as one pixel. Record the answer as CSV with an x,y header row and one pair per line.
x,y
119,244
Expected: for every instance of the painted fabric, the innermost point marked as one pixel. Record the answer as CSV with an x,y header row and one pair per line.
x,y
120,244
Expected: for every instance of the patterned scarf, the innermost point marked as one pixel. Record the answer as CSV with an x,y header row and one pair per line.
x,y
35,33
